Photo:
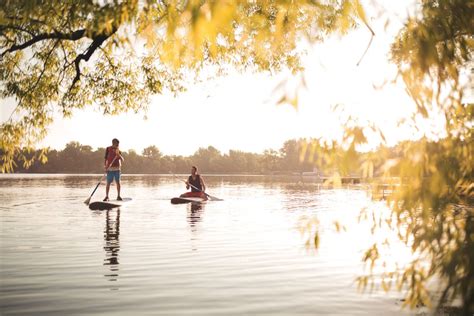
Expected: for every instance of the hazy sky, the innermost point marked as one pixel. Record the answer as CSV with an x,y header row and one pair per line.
x,y
239,111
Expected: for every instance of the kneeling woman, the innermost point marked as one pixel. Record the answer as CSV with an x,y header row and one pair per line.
x,y
196,183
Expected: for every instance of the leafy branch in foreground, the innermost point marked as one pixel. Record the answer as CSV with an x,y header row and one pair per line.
x,y
58,56
432,203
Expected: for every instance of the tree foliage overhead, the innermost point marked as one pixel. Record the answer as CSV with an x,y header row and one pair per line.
x,y
57,56
432,207
432,200
431,51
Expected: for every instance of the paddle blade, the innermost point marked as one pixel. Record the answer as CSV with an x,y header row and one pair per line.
x,y
213,198
87,201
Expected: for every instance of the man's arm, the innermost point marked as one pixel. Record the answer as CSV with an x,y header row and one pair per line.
x,y
119,155
203,185
105,159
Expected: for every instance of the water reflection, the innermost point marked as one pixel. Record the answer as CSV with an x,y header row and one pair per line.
x,y
195,211
112,244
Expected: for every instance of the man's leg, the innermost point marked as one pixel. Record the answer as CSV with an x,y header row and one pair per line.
x,y
118,189
107,186
117,181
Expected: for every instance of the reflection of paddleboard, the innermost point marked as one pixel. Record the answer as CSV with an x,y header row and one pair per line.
x,y
100,205
182,200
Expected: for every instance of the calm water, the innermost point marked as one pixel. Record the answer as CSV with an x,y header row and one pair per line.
x,y
244,255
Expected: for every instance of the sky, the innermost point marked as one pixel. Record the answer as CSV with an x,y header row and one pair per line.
x,y
239,111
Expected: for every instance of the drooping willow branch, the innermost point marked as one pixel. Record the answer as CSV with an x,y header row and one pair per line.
x,y
97,41
74,36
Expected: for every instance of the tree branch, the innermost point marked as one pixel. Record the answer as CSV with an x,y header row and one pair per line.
x,y
66,64
44,66
114,67
87,55
74,36
370,41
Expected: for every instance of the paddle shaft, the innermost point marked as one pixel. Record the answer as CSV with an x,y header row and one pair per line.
x,y
97,185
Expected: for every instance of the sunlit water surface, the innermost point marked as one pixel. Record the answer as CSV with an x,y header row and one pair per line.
x,y
244,255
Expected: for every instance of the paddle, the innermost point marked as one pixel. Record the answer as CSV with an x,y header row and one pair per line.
x,y
212,198
88,200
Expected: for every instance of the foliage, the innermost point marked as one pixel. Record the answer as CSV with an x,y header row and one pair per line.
x,y
78,158
434,203
431,180
58,56
432,200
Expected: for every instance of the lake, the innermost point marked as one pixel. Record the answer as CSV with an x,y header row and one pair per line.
x,y
243,255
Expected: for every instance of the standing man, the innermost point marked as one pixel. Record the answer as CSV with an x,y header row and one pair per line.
x,y
196,183
113,162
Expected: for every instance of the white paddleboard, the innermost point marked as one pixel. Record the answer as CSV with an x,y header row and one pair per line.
x,y
107,205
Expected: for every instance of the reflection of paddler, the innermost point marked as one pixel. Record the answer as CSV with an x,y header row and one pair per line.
x,y
197,185
194,213
112,245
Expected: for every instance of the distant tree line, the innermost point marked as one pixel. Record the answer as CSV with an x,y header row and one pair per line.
x,y
295,156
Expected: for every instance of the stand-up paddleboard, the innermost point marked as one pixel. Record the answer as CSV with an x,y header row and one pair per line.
x,y
183,200
107,205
